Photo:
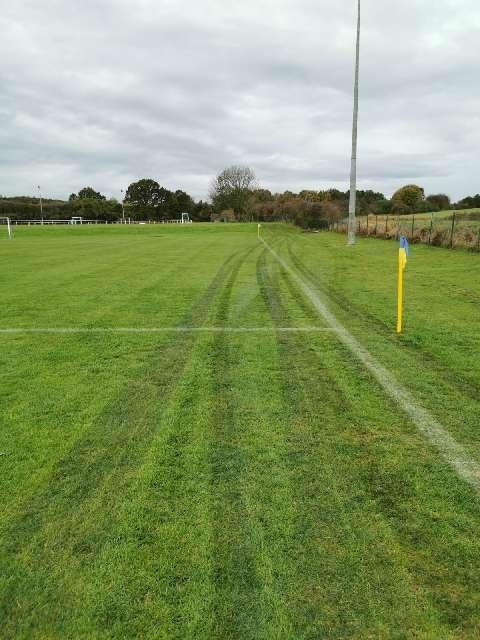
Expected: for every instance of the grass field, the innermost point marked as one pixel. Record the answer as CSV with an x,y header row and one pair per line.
x,y
463,216
248,480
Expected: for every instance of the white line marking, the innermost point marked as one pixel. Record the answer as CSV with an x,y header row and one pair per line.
x,y
15,330
453,452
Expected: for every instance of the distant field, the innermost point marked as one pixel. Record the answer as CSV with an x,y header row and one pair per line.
x,y
452,229
464,216
188,451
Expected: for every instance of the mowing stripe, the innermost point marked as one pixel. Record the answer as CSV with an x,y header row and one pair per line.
x,y
168,330
453,452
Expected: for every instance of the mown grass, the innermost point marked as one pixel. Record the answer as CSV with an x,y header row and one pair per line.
x,y
232,485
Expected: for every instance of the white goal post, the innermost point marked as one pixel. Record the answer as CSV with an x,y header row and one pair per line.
x,y
9,226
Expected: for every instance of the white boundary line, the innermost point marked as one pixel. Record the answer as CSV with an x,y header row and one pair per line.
x,y
453,452
18,330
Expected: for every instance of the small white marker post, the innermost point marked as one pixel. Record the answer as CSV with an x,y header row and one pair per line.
x,y
259,226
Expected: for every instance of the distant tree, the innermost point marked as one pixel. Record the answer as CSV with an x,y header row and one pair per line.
x,y
93,209
439,202
288,195
27,208
408,199
87,193
72,196
310,196
227,215
232,189
336,194
202,211
181,202
332,210
143,193
382,207
366,200
401,209
146,198
470,202
262,195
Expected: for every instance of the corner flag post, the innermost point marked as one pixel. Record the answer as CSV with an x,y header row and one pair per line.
x,y
403,253
259,226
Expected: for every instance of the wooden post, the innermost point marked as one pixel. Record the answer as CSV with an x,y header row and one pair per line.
x,y
453,229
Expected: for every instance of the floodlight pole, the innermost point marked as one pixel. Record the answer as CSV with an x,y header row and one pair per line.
x,y
41,205
353,171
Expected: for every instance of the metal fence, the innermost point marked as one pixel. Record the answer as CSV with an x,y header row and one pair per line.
x,y
454,232
47,222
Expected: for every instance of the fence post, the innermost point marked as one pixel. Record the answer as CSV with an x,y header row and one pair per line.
x,y
478,241
431,230
413,226
453,229
376,224
368,224
386,227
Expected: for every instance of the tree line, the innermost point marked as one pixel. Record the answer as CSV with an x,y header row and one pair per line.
x,y
235,195
144,200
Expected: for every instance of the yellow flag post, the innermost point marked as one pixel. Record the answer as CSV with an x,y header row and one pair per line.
x,y
259,226
400,292
402,262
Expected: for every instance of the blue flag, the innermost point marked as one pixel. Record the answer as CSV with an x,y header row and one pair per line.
x,y
404,251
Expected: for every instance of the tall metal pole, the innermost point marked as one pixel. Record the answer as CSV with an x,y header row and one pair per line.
x,y
41,205
353,171
123,208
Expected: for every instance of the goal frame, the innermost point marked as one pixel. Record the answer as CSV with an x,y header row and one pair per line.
x,y
9,225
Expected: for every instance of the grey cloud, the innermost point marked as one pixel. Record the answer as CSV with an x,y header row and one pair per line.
x,y
105,93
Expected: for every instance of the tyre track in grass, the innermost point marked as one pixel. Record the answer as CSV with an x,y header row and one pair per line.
x,y
17,400
168,582
453,452
463,383
236,585
51,523
349,571
426,521
180,491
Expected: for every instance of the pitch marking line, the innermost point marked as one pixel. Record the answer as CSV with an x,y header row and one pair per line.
x,y
453,452
16,330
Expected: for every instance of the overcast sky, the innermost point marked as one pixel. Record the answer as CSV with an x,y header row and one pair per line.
x,y
103,92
